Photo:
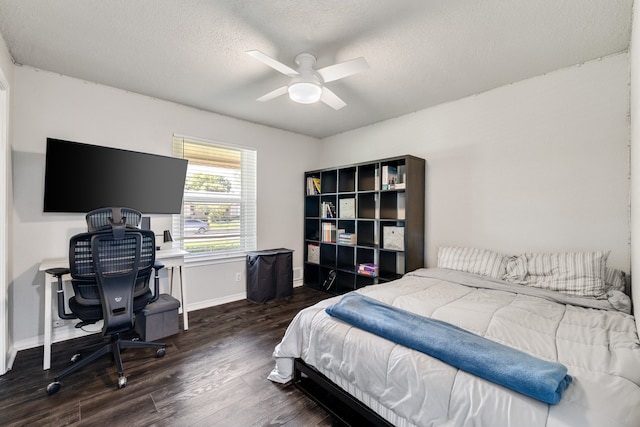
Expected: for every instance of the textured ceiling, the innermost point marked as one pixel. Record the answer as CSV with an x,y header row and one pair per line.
x,y
421,52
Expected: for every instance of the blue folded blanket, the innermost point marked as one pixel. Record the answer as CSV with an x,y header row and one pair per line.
x,y
511,368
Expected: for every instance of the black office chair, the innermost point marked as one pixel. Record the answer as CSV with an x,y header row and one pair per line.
x,y
110,265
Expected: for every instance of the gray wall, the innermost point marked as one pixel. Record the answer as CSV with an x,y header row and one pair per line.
x,y
538,165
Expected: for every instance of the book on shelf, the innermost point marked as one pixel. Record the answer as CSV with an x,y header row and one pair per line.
x,y
313,186
347,238
368,269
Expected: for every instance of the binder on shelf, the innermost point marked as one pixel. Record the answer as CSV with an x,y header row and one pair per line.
x,y
347,208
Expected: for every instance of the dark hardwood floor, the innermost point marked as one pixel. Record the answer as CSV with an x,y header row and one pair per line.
x,y
214,374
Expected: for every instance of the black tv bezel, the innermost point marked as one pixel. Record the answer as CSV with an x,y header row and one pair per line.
x,y
159,191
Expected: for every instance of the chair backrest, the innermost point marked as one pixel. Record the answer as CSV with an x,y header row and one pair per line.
x,y
111,268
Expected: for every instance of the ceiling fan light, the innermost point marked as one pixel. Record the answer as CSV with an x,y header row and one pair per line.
x,y
305,92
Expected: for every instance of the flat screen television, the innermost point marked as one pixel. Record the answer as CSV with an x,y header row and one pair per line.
x,y
83,177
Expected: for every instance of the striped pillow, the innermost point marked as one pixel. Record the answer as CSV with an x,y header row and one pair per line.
x,y
471,260
575,273
615,280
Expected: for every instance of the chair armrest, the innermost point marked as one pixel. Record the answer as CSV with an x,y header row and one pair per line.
x,y
58,273
156,281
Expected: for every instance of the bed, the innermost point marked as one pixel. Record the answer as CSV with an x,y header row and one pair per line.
x,y
510,300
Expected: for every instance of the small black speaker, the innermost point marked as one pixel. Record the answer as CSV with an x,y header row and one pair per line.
x,y
145,224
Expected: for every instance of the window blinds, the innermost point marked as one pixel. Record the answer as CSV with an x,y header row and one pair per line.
x,y
219,212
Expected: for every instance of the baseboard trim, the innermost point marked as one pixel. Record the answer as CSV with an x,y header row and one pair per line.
x,y
226,299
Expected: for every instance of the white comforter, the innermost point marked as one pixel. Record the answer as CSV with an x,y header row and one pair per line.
x,y
599,347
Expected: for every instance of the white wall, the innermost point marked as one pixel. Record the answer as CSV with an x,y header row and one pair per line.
x,y
49,105
538,165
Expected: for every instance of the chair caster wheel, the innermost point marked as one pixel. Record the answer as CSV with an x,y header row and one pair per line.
x,y
53,388
160,352
76,357
122,382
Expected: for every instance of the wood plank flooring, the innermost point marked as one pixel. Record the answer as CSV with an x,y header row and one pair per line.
x,y
214,374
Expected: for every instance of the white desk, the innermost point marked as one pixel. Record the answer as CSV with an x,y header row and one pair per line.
x,y
171,258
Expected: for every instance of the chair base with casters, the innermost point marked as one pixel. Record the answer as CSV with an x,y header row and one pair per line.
x,y
131,294
114,347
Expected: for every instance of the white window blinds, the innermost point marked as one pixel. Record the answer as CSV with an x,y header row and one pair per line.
x,y
219,212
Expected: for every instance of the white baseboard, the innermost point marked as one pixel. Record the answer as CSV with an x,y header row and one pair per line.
x,y
229,298
12,353
62,333
216,301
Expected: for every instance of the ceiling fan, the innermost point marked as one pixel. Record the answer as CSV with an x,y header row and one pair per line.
x,y
307,85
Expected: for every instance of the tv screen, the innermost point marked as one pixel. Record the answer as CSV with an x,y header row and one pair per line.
x,y
82,177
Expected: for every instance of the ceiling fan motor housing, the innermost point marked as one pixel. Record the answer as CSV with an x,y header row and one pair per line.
x,y
306,86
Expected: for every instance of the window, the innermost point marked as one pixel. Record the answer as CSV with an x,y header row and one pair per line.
x,y
219,214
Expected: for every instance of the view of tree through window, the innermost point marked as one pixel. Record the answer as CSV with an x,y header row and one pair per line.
x,y
219,198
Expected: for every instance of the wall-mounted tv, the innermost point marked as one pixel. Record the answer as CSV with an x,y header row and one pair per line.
x,y
82,177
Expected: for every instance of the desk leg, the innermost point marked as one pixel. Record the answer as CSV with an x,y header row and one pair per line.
x,y
48,291
183,295
170,276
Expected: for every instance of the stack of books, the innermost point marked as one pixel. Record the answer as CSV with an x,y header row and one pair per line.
x,y
368,269
347,238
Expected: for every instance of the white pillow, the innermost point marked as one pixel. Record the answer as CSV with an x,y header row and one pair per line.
x,y
516,270
575,273
472,260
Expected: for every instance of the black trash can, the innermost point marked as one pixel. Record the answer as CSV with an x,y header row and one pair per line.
x,y
269,275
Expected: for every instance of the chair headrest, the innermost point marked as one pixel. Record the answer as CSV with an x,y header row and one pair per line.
x,y
108,218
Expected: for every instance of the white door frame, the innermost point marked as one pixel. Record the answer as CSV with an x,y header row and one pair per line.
x,y
4,225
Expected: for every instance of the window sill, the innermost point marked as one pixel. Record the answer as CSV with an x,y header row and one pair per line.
x,y
197,260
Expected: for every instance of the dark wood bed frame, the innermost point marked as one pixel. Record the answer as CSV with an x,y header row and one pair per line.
x,y
343,408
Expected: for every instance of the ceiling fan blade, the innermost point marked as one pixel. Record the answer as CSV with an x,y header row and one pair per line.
x,y
276,65
343,69
273,94
331,99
